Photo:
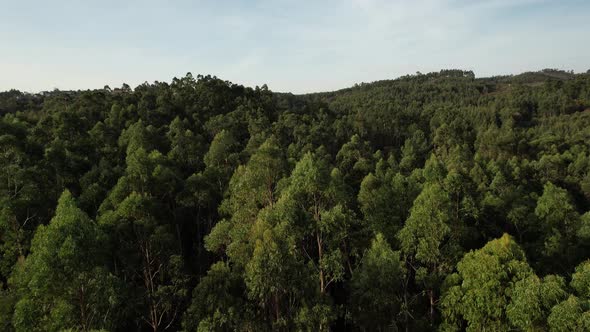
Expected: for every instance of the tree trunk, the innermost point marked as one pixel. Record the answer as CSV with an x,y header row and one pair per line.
x,y
276,305
432,303
320,254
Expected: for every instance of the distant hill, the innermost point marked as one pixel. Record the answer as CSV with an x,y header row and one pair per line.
x,y
532,77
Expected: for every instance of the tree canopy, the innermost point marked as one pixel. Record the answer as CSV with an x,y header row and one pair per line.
x,y
435,201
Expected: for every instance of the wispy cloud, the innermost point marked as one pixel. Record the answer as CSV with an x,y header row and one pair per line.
x,y
290,45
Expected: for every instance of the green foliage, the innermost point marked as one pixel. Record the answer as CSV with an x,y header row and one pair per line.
x,y
581,280
355,160
568,316
62,283
427,226
217,303
385,199
531,300
481,293
7,301
560,223
220,207
274,274
376,287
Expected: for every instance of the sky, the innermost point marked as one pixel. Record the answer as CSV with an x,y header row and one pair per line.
x,y
292,46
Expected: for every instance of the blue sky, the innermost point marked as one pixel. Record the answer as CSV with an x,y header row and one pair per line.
x,y
297,46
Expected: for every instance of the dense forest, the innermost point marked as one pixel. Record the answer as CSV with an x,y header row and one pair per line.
x,y
435,201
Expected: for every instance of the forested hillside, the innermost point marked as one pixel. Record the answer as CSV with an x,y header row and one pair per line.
x,y
434,201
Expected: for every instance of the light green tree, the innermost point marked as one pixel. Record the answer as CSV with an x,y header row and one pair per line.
x,y
531,300
62,283
478,295
559,224
573,314
426,241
